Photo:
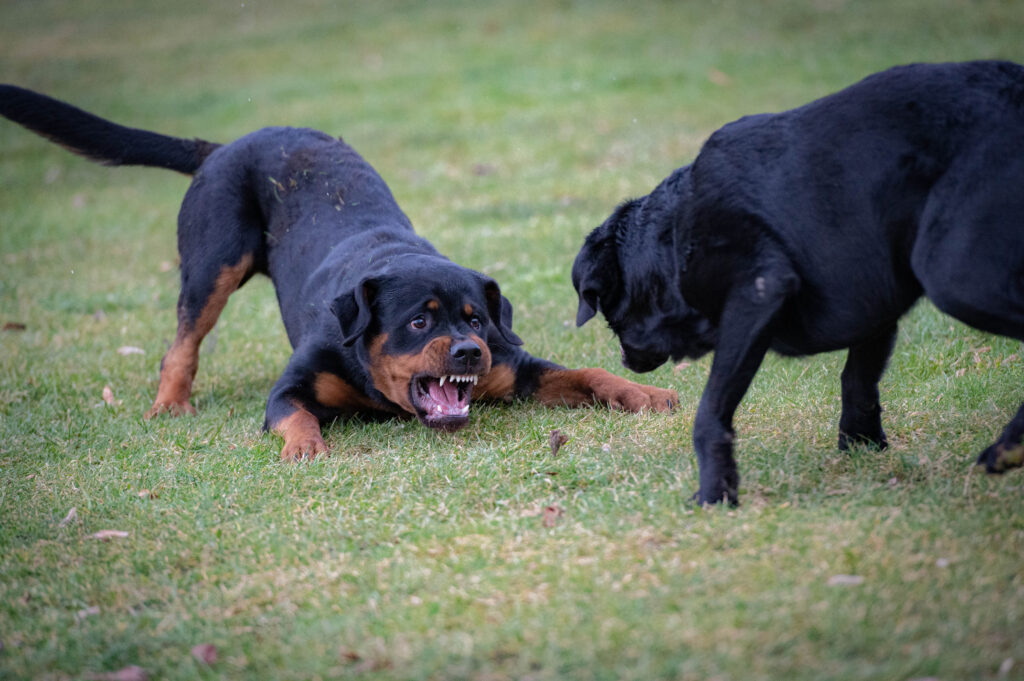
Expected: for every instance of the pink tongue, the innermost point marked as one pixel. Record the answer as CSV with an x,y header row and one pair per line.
x,y
445,394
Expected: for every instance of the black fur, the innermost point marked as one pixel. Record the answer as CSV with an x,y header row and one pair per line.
x,y
816,229
378,319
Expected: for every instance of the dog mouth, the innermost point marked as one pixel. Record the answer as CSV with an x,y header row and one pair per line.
x,y
640,361
442,402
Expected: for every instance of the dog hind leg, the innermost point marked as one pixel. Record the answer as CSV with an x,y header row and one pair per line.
x,y
969,256
861,419
221,245
200,303
1008,451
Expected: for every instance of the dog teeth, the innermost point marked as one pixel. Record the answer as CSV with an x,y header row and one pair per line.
x,y
460,379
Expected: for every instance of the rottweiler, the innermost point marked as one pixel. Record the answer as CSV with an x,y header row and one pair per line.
x,y
816,229
380,322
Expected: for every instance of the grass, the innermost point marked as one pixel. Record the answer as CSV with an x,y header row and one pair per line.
x,y
506,131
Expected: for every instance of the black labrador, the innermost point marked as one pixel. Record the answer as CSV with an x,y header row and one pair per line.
x,y
816,229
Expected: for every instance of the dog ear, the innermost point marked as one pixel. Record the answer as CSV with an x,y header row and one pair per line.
x,y
353,310
587,307
596,272
500,311
588,275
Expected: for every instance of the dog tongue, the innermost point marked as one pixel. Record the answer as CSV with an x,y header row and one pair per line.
x,y
446,395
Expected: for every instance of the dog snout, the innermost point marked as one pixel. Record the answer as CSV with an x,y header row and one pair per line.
x,y
641,361
466,353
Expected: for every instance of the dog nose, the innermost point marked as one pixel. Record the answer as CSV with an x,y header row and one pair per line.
x,y
466,351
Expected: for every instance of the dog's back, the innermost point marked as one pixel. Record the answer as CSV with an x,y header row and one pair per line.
x,y
873,176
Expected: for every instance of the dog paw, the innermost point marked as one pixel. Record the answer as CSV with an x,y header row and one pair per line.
x,y
724,496
303,448
170,409
999,458
620,393
876,440
661,399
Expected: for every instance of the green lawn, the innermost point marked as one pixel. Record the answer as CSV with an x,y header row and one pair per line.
x,y
506,131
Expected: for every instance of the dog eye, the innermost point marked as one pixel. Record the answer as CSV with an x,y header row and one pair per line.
x,y
418,322
475,323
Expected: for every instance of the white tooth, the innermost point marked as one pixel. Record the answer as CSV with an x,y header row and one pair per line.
x,y
442,380
475,379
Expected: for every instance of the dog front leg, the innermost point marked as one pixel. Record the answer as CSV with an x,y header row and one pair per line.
x,y
301,432
290,410
576,387
743,340
861,419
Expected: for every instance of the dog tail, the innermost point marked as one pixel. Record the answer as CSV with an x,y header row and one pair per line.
x,y
98,139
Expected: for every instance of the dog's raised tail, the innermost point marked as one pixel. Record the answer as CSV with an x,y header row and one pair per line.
x,y
98,139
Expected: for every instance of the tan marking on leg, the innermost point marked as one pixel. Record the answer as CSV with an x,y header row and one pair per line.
x,y
301,433
179,365
577,387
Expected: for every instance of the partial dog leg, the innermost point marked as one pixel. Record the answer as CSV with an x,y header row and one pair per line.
x,y
743,340
861,419
516,373
300,430
200,303
576,387
969,256
298,401
1008,451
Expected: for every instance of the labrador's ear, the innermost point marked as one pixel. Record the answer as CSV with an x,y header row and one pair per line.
x,y
595,270
354,310
500,311
587,307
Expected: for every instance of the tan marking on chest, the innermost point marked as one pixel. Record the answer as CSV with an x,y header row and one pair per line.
x,y
497,384
333,391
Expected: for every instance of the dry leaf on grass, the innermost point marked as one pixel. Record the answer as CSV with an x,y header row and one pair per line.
x,y
106,535
845,580
557,439
71,517
147,494
205,653
130,350
87,612
129,673
551,515
719,78
14,326
108,397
